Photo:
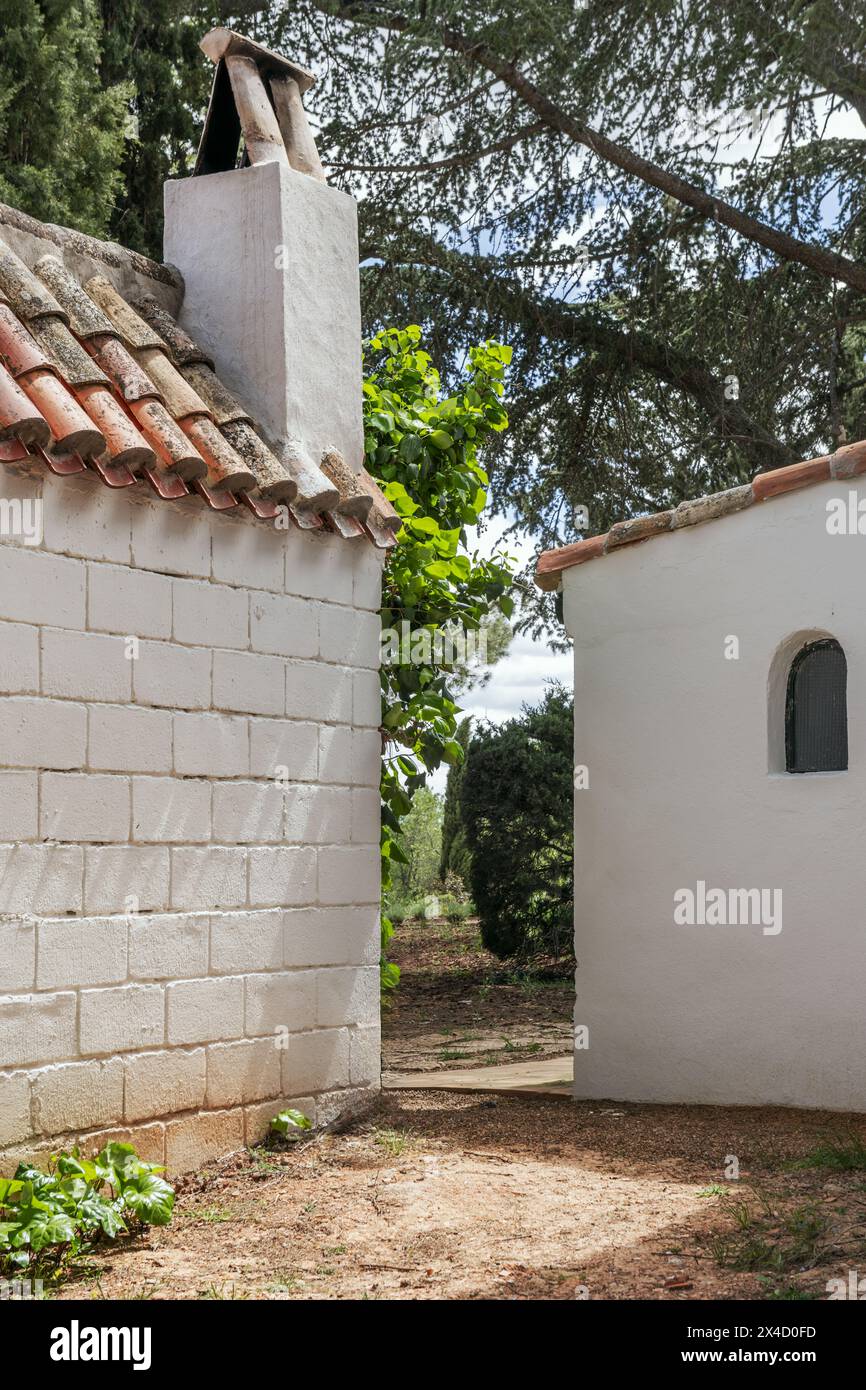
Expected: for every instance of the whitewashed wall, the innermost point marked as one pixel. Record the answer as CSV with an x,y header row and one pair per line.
x,y
184,942
676,741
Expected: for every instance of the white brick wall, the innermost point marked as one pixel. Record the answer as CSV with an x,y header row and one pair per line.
x,y
189,756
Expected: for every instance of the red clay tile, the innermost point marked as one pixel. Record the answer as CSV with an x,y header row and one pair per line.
x,y
376,527
131,327
166,485
85,318
387,513
11,451
112,474
182,401
261,507
638,528
354,499
226,469
130,381
20,353
796,475
553,562
70,360
19,417
849,461
221,500
219,400
349,527
72,430
125,443
182,350
273,480
304,519
28,296
177,452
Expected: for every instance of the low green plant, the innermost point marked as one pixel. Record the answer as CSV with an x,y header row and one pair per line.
x,y
841,1154
50,1218
773,1241
290,1124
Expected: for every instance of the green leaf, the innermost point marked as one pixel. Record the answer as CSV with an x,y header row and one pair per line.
x,y
150,1198
290,1123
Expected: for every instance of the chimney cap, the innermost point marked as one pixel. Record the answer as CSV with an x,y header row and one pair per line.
x,y
224,43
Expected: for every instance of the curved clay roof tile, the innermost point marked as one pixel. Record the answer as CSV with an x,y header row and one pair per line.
x,y
182,350
19,417
28,295
132,329
85,317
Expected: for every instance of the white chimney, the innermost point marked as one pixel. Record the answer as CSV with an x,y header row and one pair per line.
x,y
269,254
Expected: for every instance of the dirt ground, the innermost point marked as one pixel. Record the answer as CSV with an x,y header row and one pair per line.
x,y
444,1195
439,1195
458,1006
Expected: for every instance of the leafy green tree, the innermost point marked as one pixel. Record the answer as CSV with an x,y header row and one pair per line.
x,y
516,804
61,133
421,839
455,854
422,444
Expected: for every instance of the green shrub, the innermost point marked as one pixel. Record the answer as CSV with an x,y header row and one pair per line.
x,y
516,802
48,1219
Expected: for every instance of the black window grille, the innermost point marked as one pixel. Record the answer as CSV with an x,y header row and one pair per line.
x,y
816,709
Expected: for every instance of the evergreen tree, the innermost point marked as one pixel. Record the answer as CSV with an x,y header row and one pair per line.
x,y
153,46
61,131
517,812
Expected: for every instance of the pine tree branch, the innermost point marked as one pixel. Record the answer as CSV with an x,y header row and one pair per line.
x,y
456,161
823,262
581,328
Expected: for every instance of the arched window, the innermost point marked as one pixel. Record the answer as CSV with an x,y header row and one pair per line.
x,y
816,709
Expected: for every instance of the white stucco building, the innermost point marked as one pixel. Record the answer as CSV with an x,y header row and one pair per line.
x,y
190,576
720,713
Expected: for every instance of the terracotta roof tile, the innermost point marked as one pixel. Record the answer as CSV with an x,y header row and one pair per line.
x,y
225,467
639,528
124,442
123,390
387,514
787,479
70,360
85,318
180,398
175,451
131,327
354,500
849,461
73,430
273,481
218,399
846,462
122,369
29,297
20,419
182,350
19,351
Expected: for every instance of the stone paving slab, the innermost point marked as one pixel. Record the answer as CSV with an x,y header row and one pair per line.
x,y
549,1076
